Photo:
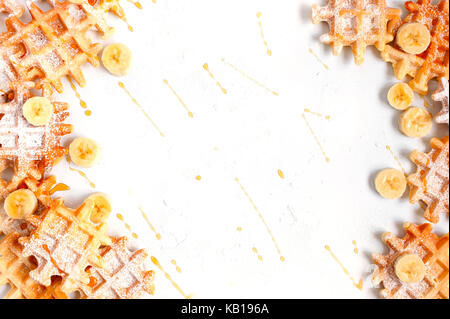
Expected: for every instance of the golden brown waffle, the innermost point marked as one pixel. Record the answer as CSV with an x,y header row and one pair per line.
x,y
42,190
433,63
123,275
15,269
64,243
356,23
434,252
27,149
54,44
430,183
442,95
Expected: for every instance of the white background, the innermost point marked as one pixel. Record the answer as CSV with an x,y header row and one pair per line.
x,y
250,134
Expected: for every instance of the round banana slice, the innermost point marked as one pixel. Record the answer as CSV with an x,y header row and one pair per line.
x,y
390,183
101,207
413,38
415,122
84,152
38,111
400,96
410,268
20,204
117,59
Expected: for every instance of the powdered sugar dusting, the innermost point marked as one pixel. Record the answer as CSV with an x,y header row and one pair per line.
x,y
123,276
421,242
356,23
431,181
442,95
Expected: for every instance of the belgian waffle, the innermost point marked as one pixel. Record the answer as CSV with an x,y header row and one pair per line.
x,y
64,243
432,249
54,44
430,183
356,23
433,63
29,150
123,275
15,269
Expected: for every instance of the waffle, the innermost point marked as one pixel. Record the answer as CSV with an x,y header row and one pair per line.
x,y
432,249
64,243
442,95
42,191
15,269
356,23
29,150
430,183
433,63
123,275
54,44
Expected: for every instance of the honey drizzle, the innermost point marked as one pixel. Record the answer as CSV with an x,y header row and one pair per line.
x,y
318,59
179,98
355,249
327,117
59,188
83,174
396,159
262,218
138,4
258,16
127,226
327,159
358,285
77,94
257,253
141,108
158,235
206,68
249,78
174,262
157,264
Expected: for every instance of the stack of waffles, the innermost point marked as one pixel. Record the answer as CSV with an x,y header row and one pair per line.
x,y
57,251
358,24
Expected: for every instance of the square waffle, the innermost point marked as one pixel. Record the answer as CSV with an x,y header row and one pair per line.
x,y
356,23
29,150
433,63
64,243
430,183
54,44
123,275
432,249
15,270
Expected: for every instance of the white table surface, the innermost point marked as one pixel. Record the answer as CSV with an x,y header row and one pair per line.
x,y
247,133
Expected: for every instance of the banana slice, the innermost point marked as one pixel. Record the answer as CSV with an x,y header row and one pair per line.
x,y
38,111
400,96
410,268
117,59
84,152
21,204
415,122
390,183
413,38
102,207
